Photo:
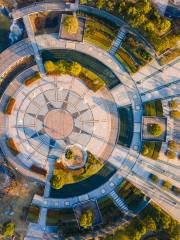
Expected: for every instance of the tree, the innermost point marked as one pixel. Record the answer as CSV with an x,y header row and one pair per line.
x,y
154,178
154,129
164,25
87,218
149,27
175,114
8,229
100,3
172,145
75,69
71,24
57,181
170,154
173,104
150,224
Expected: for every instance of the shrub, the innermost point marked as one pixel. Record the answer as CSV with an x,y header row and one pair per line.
x,y
32,79
173,104
87,218
154,178
57,182
71,24
175,114
145,150
10,106
12,146
176,190
75,69
154,129
172,145
170,154
8,230
69,154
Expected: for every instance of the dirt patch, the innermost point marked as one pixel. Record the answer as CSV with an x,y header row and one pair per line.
x,y
17,199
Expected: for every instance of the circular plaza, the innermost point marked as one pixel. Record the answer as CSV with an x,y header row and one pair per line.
x,y
89,113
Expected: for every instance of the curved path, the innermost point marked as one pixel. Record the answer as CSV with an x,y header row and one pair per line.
x,y
44,6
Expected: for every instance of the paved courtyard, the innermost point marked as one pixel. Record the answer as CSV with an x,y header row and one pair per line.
x,y
55,113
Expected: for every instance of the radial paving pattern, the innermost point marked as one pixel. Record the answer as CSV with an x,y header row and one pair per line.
x,y
57,112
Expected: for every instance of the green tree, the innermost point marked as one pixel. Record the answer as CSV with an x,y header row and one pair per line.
x,y
71,24
149,27
87,218
75,69
173,104
154,129
175,114
172,145
8,229
150,224
100,3
154,178
164,25
170,154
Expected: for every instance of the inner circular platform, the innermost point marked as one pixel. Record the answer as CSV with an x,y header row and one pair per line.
x,y
56,112
58,124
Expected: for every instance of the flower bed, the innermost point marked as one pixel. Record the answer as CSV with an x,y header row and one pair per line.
x,y
32,79
12,146
92,81
127,61
10,106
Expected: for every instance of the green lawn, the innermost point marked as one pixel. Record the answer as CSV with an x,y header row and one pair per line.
x,y
169,56
153,149
153,108
137,50
110,213
99,33
129,63
131,195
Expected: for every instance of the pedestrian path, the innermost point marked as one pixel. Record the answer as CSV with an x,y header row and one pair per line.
x,y
119,202
31,37
118,42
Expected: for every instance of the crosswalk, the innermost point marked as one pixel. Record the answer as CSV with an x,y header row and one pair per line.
x,y
119,202
117,43
33,43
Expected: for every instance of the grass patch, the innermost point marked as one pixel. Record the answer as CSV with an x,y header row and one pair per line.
x,y
169,56
130,65
63,175
130,194
109,211
137,50
151,149
153,108
99,34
